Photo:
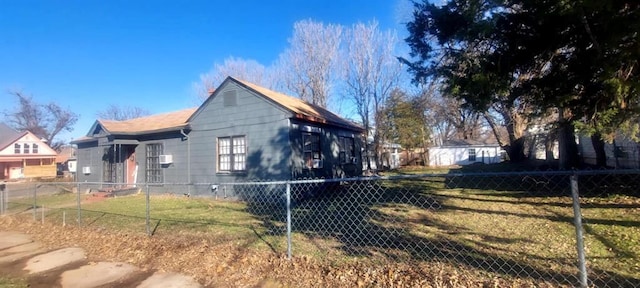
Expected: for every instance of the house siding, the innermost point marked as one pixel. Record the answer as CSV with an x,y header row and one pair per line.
x,y
329,135
624,154
172,144
90,155
272,137
447,156
265,126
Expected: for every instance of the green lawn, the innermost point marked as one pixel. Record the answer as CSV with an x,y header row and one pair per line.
x,y
513,233
13,282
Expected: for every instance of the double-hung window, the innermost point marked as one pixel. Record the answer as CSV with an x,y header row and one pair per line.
x,y
34,148
154,168
346,152
25,148
472,154
232,154
16,148
311,150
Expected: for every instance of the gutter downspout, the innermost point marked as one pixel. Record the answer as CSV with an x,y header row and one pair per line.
x,y
188,160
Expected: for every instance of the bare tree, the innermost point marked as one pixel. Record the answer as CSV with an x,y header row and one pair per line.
x,y
243,69
308,66
451,120
44,120
371,73
115,112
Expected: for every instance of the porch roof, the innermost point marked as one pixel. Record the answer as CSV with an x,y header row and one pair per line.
x,y
150,124
20,157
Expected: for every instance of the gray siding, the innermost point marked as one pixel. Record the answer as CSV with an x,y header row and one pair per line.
x,y
265,126
332,168
172,144
89,154
273,140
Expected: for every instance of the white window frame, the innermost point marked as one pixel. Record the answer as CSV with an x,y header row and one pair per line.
x,y
472,154
232,154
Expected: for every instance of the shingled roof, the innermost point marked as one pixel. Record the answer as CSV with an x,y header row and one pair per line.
x,y
180,119
8,135
149,124
300,108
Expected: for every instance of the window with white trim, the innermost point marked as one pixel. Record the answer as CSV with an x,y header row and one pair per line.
x,y
232,154
16,148
311,150
472,154
34,148
25,148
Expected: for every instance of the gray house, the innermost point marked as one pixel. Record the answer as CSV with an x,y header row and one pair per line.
x,y
242,132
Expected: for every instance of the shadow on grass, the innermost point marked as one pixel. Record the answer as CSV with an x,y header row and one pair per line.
x,y
543,183
379,218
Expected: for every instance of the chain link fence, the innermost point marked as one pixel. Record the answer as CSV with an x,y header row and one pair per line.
x,y
546,228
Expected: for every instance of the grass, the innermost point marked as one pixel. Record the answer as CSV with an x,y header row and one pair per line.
x,y
13,282
514,232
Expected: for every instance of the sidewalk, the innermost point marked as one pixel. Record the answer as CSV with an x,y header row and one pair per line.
x,y
20,256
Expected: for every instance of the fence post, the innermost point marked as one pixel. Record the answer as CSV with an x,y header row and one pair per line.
x,y
35,202
288,220
577,218
147,220
78,204
3,197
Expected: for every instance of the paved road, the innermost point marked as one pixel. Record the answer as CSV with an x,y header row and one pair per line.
x,y
20,256
27,189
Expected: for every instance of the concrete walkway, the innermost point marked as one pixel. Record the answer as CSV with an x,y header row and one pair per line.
x,y
20,256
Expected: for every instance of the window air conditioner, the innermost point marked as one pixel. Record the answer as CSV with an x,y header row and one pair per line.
x,y
86,170
166,159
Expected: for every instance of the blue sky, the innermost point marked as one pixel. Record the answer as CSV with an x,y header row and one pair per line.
x,y
86,55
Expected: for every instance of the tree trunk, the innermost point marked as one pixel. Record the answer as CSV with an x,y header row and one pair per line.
x,y
548,146
515,150
515,147
598,148
568,148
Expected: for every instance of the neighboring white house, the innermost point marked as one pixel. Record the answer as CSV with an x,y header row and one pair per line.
x,y
390,157
621,153
464,152
536,138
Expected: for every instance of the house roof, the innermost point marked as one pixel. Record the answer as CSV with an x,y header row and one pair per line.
x,y
149,124
466,143
8,135
180,119
66,153
300,108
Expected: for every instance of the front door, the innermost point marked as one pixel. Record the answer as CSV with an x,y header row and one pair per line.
x,y
131,165
120,164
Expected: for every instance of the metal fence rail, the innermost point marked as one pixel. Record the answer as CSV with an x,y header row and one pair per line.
x,y
547,228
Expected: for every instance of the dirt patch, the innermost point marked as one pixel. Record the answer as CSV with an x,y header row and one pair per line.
x,y
223,263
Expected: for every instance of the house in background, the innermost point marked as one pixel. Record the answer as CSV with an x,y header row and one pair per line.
x,y
66,161
24,155
620,153
242,132
464,152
